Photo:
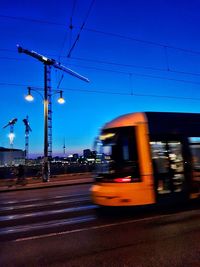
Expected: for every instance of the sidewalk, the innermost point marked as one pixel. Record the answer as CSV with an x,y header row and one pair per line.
x,y
7,185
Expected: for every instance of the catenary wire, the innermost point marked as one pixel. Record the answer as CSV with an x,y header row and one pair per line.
x,y
82,26
126,73
134,66
103,32
106,92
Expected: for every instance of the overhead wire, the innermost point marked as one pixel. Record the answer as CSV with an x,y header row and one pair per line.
x,y
32,20
142,41
135,66
70,27
81,28
104,91
129,73
112,63
119,64
103,32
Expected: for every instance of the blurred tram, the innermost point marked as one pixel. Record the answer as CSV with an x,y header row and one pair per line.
x,y
148,158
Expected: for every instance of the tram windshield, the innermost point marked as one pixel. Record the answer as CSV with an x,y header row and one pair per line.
x,y
117,155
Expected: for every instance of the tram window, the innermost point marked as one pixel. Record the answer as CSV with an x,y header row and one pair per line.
x,y
119,147
175,156
168,166
195,153
125,152
176,165
159,156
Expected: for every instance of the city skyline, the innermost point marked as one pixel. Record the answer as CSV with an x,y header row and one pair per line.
x,y
138,56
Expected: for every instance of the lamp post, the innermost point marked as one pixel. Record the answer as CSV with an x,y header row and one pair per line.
x,y
29,97
48,62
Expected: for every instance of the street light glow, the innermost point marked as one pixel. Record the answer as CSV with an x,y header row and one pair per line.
x,y
29,97
61,100
11,137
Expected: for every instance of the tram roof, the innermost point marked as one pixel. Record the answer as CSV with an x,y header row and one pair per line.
x,y
160,122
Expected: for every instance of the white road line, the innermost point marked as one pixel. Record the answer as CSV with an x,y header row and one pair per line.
x,y
45,213
4,202
99,227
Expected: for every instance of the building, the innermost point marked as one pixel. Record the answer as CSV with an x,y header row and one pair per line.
x,y
86,153
10,156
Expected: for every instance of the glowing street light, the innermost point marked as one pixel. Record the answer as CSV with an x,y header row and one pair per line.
x,y
61,100
29,96
11,137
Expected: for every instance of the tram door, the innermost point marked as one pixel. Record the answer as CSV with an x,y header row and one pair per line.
x,y
168,168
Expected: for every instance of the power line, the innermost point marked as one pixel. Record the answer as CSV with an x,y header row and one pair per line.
x,y
32,20
83,24
135,66
127,73
107,92
139,74
111,63
70,27
118,64
142,40
104,32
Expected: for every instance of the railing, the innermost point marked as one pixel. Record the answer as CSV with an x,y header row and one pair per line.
x,y
36,170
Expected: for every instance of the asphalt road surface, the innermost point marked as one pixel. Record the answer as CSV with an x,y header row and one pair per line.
x,y
61,227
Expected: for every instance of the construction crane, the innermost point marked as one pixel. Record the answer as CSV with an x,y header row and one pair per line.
x,y
27,130
48,63
11,135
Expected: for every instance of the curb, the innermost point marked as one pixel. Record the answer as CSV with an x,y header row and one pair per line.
x,y
45,185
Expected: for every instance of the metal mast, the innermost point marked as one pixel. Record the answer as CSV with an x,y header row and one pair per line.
x,y
47,74
27,130
48,62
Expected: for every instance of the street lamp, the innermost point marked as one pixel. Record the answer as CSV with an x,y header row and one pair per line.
x,y
48,63
29,97
61,100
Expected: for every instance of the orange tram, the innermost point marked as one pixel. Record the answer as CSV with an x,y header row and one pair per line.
x,y
148,158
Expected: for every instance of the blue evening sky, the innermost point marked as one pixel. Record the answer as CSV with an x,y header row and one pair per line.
x,y
139,55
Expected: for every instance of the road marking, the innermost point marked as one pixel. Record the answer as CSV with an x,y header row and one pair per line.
x,y
99,227
41,199
45,225
45,213
43,203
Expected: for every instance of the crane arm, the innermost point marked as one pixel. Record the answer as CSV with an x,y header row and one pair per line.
x,y
49,61
57,65
34,54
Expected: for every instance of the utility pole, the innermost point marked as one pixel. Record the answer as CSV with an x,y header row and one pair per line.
x,y
48,62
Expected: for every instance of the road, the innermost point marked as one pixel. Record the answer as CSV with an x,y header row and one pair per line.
x,y
61,227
